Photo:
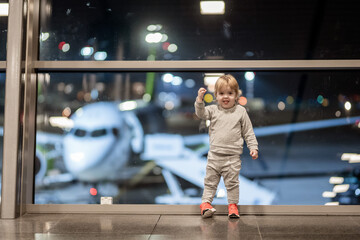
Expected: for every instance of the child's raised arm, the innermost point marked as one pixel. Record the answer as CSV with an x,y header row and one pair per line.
x,y
200,95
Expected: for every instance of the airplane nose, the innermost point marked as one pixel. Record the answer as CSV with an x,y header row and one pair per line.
x,y
84,153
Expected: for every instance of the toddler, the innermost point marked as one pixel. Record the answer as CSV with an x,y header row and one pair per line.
x,y
229,127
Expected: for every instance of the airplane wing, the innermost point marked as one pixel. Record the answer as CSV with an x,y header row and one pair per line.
x,y
280,129
169,152
192,169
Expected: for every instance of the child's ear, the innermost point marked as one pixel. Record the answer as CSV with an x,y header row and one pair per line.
x,y
239,94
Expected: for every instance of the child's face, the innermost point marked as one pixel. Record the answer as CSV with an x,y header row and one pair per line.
x,y
226,97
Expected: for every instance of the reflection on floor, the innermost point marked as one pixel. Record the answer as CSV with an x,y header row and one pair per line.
x,y
106,226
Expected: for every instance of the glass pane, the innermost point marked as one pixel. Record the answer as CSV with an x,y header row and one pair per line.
x,y
176,30
2,104
3,28
135,137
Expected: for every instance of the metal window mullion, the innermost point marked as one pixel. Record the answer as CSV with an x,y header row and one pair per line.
x,y
10,198
203,65
30,96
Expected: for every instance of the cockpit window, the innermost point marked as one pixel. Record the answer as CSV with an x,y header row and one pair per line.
x,y
80,133
98,133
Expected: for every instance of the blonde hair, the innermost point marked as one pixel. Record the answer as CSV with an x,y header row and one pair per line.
x,y
227,80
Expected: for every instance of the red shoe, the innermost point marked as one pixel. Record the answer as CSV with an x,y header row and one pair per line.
x,y
207,210
233,211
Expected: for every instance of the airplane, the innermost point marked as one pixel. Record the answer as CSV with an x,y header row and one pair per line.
x,y
104,135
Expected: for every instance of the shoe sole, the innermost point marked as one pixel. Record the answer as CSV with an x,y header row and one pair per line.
x,y
208,213
234,216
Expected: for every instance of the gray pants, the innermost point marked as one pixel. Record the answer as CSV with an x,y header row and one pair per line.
x,y
227,166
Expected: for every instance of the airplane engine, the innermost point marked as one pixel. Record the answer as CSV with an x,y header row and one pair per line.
x,y
40,166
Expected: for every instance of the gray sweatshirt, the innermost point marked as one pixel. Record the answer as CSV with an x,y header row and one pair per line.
x,y
228,128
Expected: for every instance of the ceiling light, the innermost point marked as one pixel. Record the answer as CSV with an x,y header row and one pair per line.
x,y
212,7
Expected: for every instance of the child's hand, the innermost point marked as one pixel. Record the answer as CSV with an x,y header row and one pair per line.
x,y
254,154
201,93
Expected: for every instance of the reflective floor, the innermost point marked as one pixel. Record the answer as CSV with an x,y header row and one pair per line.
x,y
106,226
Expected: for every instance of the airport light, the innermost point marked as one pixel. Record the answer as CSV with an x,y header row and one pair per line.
x,y
355,158
93,191
328,194
281,106
100,56
172,48
336,180
320,99
290,100
154,27
44,36
242,100
189,83
347,105
164,37
211,78
127,106
65,47
177,81
341,188
153,37
168,77
212,7
4,9
208,98
87,51
347,156
146,97
357,192
169,105
61,122
151,28
249,76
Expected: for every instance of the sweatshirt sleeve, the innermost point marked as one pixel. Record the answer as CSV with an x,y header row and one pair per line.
x,y
201,111
248,132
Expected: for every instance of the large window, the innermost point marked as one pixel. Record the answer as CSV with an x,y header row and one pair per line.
x,y
133,136
179,30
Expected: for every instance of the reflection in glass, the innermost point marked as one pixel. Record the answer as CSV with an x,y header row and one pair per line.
x,y
3,28
2,105
176,30
134,137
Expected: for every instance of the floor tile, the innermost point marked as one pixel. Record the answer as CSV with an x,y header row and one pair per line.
x,y
356,219
91,236
310,236
203,237
17,236
195,227
307,225
106,223
30,223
